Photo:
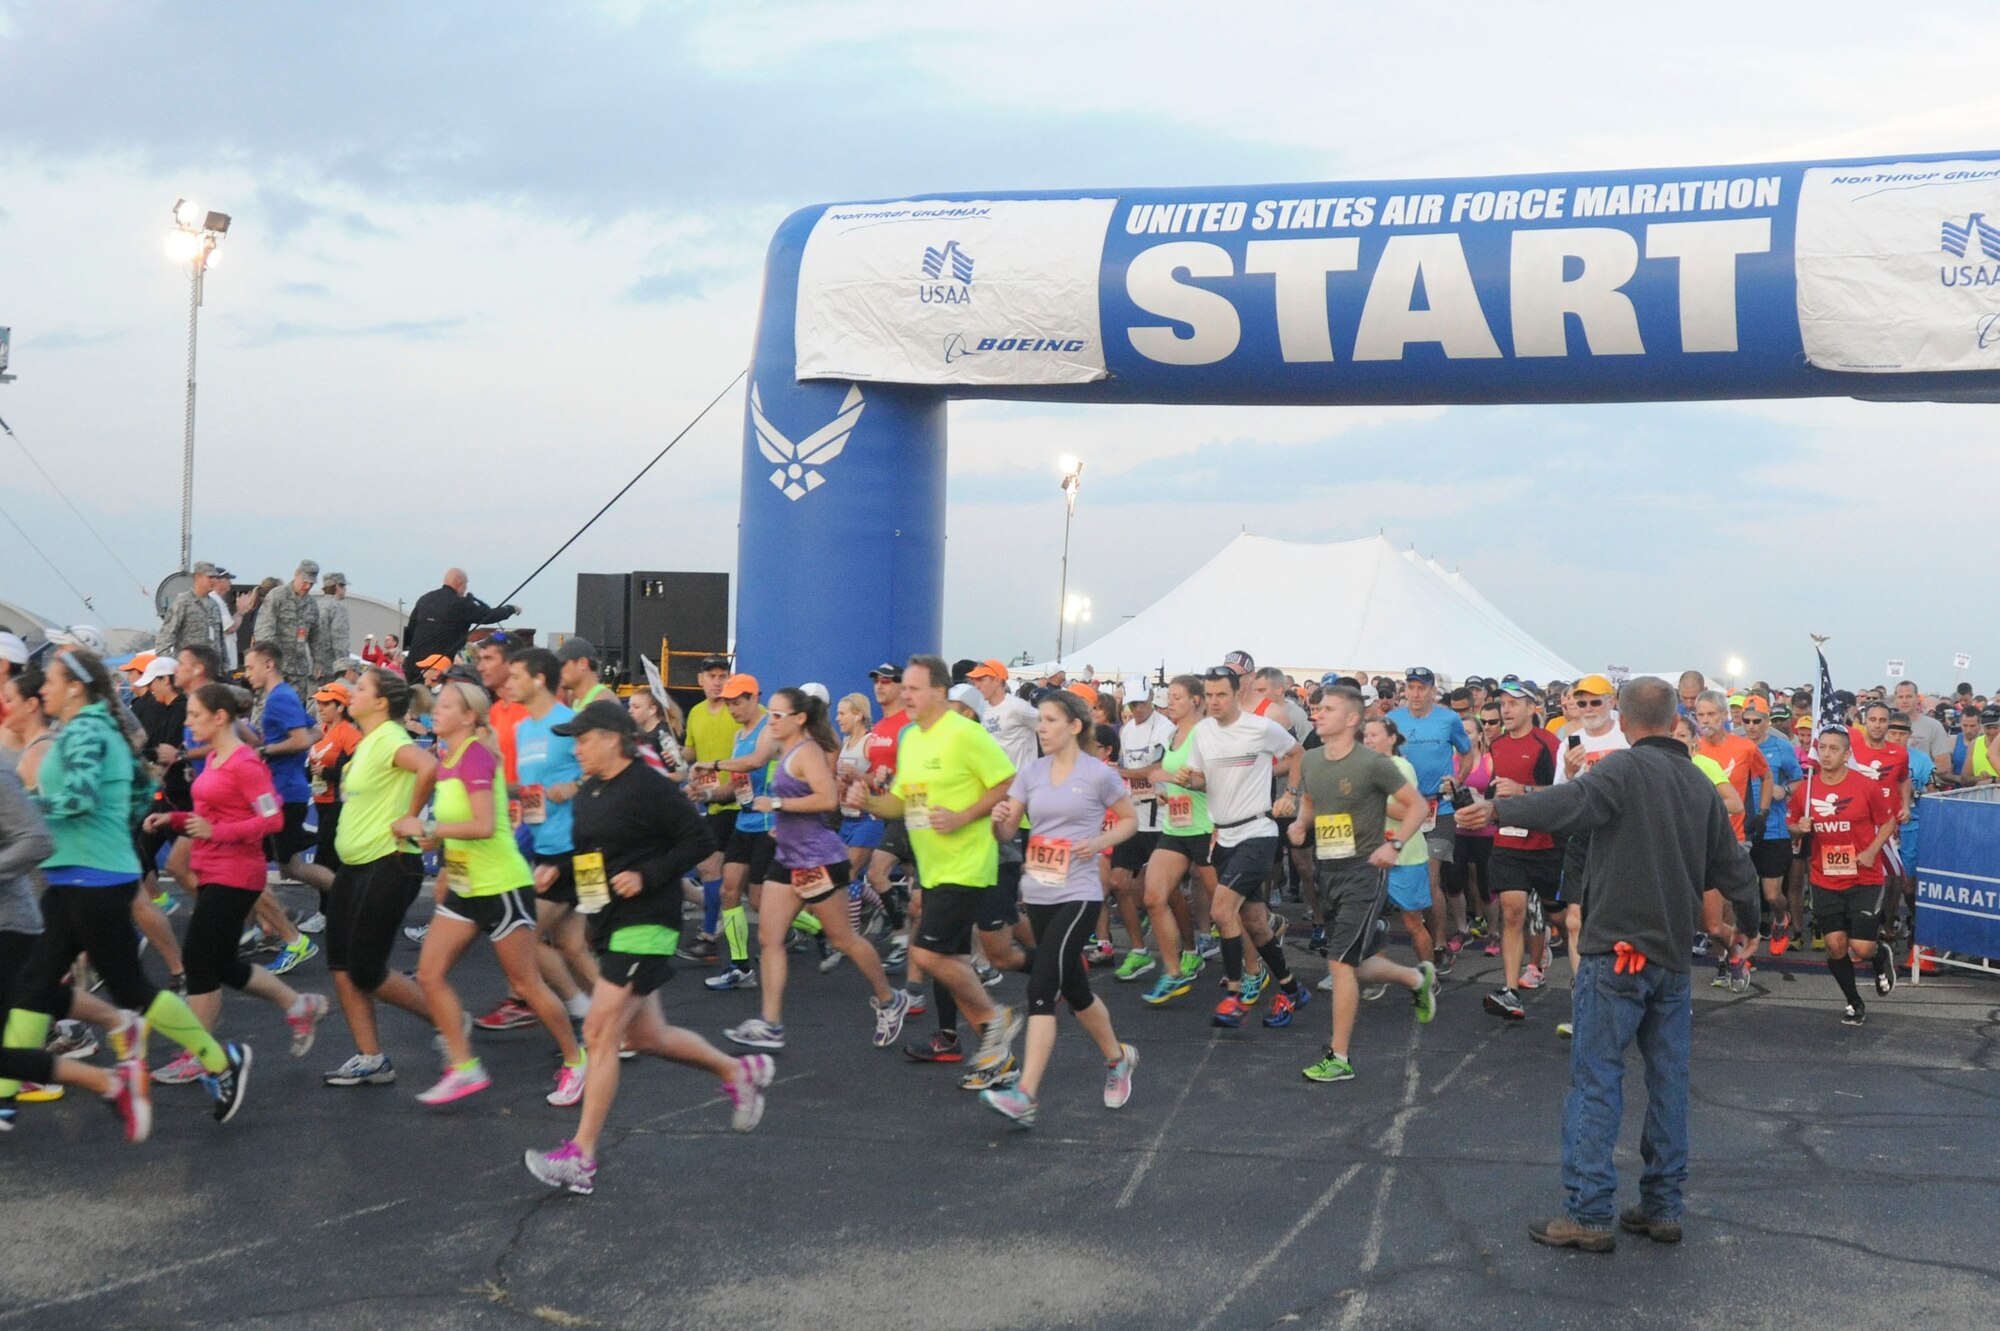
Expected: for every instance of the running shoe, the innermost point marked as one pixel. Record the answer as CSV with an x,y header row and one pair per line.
x,y
1331,1067
1010,1102
1004,1075
1325,984
990,977
569,1084
314,923
229,1086
1565,1031
254,941
1492,948
996,1040
1443,959
1455,943
1230,1012
940,1048
73,1039
889,1017
38,1092
1505,1003
128,1037
415,932
1253,987
305,1025
1476,927
131,1099
1854,1015
300,949
1819,941
1885,969
1426,997
1372,992
1739,976
1136,963
1531,977
920,1003
166,902
1701,945
1781,941
829,962
1118,1078
746,1090
361,1070
699,948
565,1167
757,1033
1284,1004
1317,942
1168,986
511,1014
733,978
456,1084
899,952
1192,964
1280,926
1208,946
180,1071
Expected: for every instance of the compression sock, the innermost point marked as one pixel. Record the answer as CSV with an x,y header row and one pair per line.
x,y
1273,954
711,905
1842,970
1232,959
25,1030
172,1018
947,1009
736,928
1880,960
807,922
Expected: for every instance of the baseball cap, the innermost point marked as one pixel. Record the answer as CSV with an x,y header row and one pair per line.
x,y
160,667
224,573
86,636
1370,694
1330,677
888,670
738,686
1514,687
1781,713
13,647
1160,696
1420,674
1754,706
603,714
435,661
334,580
1597,686
576,649
1803,723
1845,697
1089,694
713,662
965,693
309,567
334,692
139,662
817,691
1240,662
1989,715
1739,700
988,670
1897,721
203,568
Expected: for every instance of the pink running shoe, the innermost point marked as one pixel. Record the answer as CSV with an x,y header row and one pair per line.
x,y
455,1085
746,1090
569,1084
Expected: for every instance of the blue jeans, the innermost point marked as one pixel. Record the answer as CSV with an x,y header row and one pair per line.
x,y
1611,1010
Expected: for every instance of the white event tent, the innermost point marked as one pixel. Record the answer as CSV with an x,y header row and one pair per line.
x,y
1359,605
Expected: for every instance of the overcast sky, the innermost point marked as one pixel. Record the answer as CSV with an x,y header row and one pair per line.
x,y
488,257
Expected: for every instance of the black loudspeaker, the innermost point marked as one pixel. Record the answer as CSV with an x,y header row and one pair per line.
x,y
673,618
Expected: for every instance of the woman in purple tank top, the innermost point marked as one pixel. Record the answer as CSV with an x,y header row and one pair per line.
x,y
809,871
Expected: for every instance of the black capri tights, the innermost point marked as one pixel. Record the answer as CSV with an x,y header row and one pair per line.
x,y
212,934
97,920
1060,931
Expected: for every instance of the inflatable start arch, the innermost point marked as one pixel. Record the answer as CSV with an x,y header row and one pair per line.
x,y
1870,279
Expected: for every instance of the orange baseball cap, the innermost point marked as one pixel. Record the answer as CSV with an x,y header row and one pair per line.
x,y
1085,692
334,692
435,661
988,670
138,663
740,686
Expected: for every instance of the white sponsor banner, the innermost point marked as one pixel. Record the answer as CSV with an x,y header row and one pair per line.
x,y
1899,266
1894,669
1962,660
934,292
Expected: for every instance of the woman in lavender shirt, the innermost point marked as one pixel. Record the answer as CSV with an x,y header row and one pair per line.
x,y
1077,808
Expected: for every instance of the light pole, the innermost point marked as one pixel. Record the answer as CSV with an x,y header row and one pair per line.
x,y
193,241
1072,480
1734,665
1076,610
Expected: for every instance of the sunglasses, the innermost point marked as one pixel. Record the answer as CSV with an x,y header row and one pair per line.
x,y
1489,720
1590,702
780,716
1219,672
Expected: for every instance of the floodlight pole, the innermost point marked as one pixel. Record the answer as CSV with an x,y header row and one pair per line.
x,y
196,266
1071,482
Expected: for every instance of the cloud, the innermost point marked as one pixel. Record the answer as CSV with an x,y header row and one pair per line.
x,y
407,330
668,288
311,289
65,339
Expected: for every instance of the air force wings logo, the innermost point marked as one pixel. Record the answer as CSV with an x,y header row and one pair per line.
x,y
797,463
1825,809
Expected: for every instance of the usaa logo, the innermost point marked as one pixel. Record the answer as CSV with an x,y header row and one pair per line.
x,y
949,271
1974,237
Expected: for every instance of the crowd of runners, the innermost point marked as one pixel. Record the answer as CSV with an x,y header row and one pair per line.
x,y
937,835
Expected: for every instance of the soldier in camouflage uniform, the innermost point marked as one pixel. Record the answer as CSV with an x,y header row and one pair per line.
x,y
290,621
334,637
193,619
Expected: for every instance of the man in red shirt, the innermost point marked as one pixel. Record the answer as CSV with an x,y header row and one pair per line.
x,y
1742,762
1849,820
1524,759
1887,763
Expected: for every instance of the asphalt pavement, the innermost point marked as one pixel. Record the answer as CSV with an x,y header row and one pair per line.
x,y
1834,1169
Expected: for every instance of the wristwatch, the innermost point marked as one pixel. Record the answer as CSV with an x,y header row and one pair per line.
x,y
777,804
1397,842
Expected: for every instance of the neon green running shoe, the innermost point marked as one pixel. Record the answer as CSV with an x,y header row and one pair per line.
x,y
1331,1067
1137,962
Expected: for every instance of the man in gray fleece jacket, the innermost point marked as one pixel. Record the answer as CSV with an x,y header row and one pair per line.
x,y
1658,837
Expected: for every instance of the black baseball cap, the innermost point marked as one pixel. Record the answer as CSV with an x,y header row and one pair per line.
x,y
577,649
1989,715
713,661
1421,675
888,670
603,714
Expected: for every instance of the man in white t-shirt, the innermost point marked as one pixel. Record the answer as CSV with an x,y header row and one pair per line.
x,y
1233,755
1142,742
1595,735
1009,719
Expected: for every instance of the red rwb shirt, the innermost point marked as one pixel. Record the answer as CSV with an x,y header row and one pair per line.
x,y
1888,767
1846,815
882,737
1531,760
236,796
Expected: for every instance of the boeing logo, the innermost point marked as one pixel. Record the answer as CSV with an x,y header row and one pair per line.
x,y
797,473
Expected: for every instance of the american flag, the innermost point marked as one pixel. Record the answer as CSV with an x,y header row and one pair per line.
x,y
1827,712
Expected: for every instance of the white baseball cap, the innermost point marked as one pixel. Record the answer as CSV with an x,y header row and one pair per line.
x,y
966,694
86,636
13,647
817,691
160,667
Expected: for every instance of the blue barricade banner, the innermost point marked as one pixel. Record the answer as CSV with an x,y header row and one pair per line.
x,y
1958,872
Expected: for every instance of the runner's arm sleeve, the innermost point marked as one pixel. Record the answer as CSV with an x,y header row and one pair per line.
x,y
24,838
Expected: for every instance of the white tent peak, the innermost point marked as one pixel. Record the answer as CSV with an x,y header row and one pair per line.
x,y
1307,606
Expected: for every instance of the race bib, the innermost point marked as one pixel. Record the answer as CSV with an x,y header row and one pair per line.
x,y
457,870
1180,812
1514,831
1141,788
852,793
741,787
1838,862
1048,860
813,882
534,809
1431,819
593,892
917,808
1333,837
514,812
318,784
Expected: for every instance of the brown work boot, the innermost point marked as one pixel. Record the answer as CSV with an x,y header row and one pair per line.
x,y
1635,1219
1563,1232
